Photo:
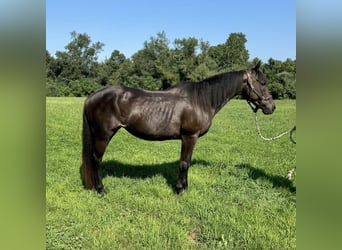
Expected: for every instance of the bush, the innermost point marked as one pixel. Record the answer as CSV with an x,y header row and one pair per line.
x,y
53,89
73,88
276,90
145,82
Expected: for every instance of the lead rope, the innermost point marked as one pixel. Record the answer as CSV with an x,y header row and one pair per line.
x,y
276,137
291,172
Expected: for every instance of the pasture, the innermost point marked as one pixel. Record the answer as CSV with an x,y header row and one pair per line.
x,y
238,196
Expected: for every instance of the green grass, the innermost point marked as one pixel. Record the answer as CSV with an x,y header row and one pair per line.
x,y
238,196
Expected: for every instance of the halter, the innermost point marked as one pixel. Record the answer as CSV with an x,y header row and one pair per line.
x,y
255,109
260,96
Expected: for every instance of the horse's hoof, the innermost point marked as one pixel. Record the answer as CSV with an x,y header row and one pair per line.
x,y
180,190
101,191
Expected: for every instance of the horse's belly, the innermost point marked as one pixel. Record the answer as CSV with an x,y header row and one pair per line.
x,y
155,120
152,134
153,128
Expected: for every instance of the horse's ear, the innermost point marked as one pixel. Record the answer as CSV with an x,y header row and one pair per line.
x,y
257,66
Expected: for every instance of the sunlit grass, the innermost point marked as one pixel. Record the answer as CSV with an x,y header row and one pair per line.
x,y
238,196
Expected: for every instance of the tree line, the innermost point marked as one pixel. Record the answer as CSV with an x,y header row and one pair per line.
x,y
76,71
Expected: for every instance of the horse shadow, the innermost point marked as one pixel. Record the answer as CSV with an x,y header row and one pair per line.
x,y
169,170
276,180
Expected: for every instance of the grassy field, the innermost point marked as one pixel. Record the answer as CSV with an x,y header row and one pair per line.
x,y
238,196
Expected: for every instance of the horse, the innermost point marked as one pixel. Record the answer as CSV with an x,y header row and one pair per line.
x,y
183,112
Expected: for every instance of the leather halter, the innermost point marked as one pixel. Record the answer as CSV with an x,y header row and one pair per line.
x,y
260,96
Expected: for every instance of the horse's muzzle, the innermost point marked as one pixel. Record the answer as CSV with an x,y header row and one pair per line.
x,y
268,109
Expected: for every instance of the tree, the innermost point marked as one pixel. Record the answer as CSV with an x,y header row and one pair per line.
x,y
185,55
145,59
80,58
205,66
232,55
154,60
77,72
51,66
281,77
236,53
217,54
109,71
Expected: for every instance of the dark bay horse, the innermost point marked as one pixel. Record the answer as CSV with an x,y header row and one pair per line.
x,y
184,111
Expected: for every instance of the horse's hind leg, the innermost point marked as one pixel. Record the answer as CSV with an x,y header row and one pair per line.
x,y
100,145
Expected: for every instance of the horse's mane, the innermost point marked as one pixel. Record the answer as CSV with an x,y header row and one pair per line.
x,y
211,92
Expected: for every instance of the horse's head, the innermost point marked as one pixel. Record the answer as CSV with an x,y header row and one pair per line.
x,y
255,91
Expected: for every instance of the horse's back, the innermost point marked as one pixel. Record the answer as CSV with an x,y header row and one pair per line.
x,y
106,92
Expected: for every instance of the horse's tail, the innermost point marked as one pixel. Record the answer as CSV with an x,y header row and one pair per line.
x,y
88,161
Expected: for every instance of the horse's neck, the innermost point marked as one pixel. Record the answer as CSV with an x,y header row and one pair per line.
x,y
228,92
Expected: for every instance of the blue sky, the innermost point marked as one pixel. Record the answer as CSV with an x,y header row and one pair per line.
x,y
124,25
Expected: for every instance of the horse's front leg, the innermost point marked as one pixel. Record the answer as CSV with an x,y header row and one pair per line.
x,y
188,144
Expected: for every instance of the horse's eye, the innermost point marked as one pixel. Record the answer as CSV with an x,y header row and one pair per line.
x,y
262,82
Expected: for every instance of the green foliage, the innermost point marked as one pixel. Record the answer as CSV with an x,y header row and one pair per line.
x,y
75,88
281,77
236,52
78,61
111,71
232,55
145,81
54,88
238,196
158,65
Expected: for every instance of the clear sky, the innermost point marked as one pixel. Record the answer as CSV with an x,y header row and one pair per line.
x,y
124,25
